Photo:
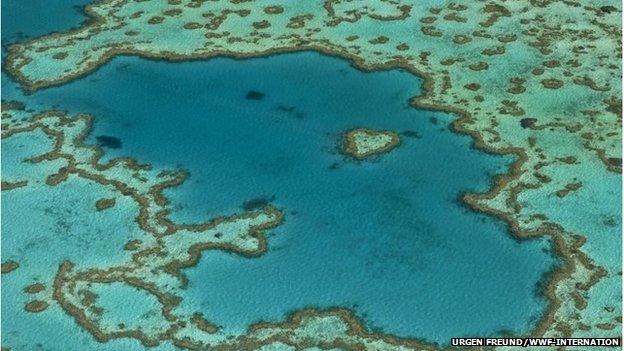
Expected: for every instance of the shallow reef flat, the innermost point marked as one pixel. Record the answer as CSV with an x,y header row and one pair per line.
x,y
540,80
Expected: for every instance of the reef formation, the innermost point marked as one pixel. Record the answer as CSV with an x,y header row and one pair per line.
x,y
537,79
362,142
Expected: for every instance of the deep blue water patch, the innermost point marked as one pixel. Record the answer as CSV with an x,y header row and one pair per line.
x,y
26,19
108,141
387,237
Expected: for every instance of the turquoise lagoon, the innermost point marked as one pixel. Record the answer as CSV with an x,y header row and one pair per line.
x,y
387,237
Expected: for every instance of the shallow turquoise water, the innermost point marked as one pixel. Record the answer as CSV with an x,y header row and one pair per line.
x,y
386,237
43,226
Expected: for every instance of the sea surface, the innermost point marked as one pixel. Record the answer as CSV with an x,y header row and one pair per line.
x,y
387,237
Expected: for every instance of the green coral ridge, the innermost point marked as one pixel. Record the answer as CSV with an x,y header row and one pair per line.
x,y
538,79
